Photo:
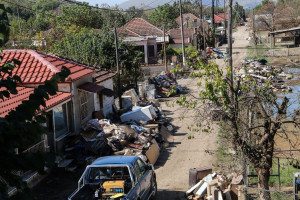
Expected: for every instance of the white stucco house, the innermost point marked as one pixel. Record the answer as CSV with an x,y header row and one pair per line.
x,y
147,37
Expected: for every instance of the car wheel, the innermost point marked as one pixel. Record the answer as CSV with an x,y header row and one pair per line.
x,y
153,189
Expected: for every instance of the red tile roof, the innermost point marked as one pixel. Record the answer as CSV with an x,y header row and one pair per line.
x,y
37,67
91,87
138,27
102,75
220,17
11,103
191,16
175,35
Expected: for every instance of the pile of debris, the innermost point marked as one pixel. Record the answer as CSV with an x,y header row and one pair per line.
x,y
163,85
218,187
142,131
260,70
214,53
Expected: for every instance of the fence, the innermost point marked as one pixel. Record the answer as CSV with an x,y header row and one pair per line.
x,y
252,193
281,50
281,181
40,146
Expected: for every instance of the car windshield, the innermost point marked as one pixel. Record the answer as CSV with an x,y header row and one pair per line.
x,y
98,174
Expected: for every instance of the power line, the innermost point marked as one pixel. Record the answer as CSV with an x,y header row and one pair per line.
x,y
95,7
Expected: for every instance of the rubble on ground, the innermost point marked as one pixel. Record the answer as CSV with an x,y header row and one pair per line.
x,y
214,53
163,85
260,70
218,187
142,131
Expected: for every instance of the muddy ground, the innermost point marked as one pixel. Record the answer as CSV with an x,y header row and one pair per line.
x,y
174,163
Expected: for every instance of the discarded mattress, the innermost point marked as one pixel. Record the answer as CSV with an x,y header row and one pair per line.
x,y
141,114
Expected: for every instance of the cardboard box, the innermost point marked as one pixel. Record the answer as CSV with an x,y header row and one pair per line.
x,y
153,152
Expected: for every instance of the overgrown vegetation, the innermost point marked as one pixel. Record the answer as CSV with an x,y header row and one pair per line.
x,y
251,113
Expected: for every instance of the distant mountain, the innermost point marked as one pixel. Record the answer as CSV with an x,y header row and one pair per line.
x,y
143,4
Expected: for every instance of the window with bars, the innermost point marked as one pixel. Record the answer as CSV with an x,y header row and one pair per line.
x,y
83,98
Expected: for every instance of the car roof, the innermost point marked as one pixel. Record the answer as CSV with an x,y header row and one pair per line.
x,y
115,160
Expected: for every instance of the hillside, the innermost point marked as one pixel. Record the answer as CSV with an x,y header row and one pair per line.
x,y
150,3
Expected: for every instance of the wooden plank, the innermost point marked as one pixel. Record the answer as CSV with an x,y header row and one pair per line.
x,y
166,134
153,153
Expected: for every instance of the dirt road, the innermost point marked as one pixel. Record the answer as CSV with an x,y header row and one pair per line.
x,y
173,165
240,44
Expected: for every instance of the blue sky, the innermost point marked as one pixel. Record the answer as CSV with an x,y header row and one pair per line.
x,y
109,2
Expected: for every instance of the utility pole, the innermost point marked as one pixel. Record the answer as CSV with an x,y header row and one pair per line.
x,y
19,22
200,5
230,38
202,23
213,21
204,38
182,34
165,53
254,33
118,69
225,26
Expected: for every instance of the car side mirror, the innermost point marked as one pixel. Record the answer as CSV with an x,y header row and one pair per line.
x,y
149,167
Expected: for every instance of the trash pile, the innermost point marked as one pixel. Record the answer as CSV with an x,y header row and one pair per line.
x,y
142,130
218,187
214,53
260,70
163,85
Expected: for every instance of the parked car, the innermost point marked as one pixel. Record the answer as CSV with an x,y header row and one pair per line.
x,y
117,177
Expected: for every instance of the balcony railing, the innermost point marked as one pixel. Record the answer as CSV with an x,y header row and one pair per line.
x,y
41,146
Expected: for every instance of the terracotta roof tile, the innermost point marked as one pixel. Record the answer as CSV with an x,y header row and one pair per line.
x,y
102,75
11,103
91,87
138,27
220,17
43,65
175,35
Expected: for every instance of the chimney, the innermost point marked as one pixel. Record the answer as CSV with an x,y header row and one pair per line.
x,y
187,18
195,26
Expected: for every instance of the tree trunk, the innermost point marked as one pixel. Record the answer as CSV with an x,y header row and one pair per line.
x,y
263,183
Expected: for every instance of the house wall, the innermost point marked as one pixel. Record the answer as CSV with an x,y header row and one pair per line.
x,y
76,103
179,45
107,101
64,87
146,43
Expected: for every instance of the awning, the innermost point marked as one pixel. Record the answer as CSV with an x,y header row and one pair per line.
x,y
94,88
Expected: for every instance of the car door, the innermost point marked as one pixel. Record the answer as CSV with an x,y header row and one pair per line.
x,y
145,179
134,193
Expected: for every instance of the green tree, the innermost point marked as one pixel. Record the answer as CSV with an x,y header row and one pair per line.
x,y
239,13
165,14
21,127
130,61
87,46
82,16
4,26
251,113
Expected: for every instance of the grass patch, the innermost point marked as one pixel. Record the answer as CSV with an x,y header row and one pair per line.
x,y
228,160
286,174
281,196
